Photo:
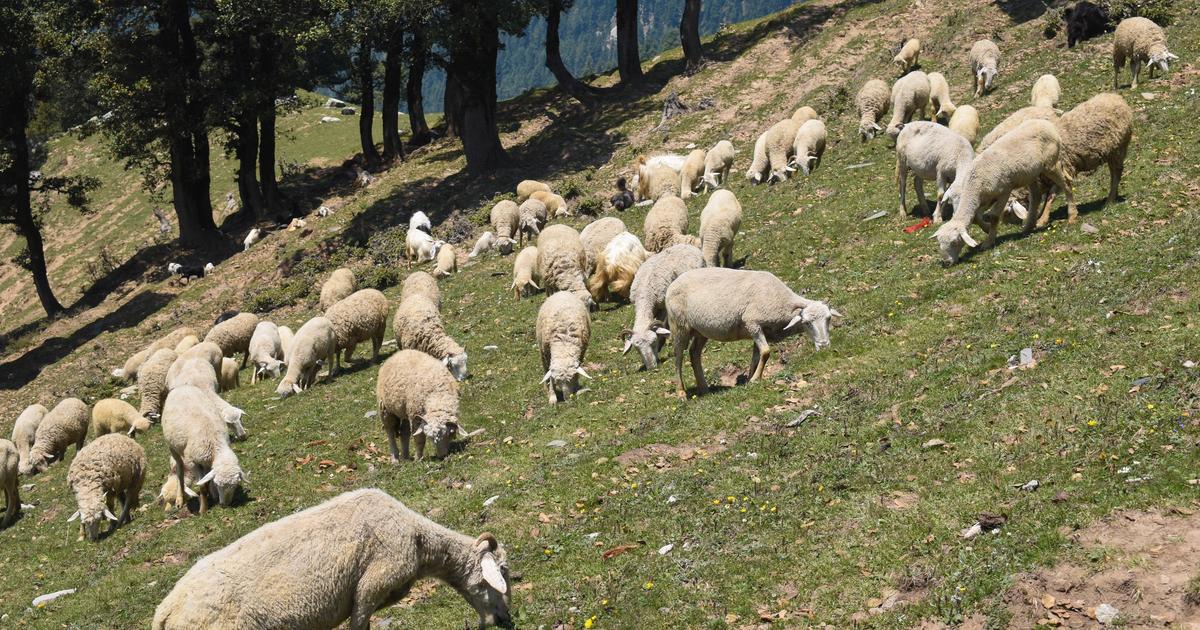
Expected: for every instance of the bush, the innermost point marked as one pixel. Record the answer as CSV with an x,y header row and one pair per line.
x,y
592,206
387,247
1160,11
285,294
378,277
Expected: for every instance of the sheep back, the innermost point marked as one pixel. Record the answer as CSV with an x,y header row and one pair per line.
x,y
341,284
667,218
233,335
358,318
421,283
64,425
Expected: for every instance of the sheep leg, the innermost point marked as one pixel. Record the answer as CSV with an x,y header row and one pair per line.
x,y
902,183
1117,72
941,192
1115,168
698,367
727,252
376,344
349,352
994,214
419,444
763,351
1033,216
680,339
180,497
389,428
919,186
12,503
1135,68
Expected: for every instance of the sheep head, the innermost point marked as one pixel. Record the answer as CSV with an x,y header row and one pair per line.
x,y
272,367
814,315
987,73
564,379
439,427
484,582
38,462
1161,60
233,420
868,129
710,179
91,517
287,388
457,364
227,477
648,342
951,238
505,245
140,423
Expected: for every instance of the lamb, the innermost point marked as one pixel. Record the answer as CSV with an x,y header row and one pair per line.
x,y
506,221
417,398
1095,132
718,161
561,262
1139,40
378,550
113,415
616,267
909,55
804,114
61,427
692,174
985,63
930,151
759,165
24,432
649,295
418,326
184,344
595,237
525,275
447,262
1046,92
965,122
9,482
314,343
421,283
227,379
719,224
199,445
1085,21
483,244
266,352
727,305
1020,158
233,335
285,342
556,206
252,237
563,329
939,97
533,218
809,146
358,318
779,144
340,284
665,223
420,221
624,198
111,467
198,372
1013,121
526,188
152,382
873,101
656,180
910,98
420,246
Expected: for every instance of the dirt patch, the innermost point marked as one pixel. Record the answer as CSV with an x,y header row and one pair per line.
x,y
1144,562
684,452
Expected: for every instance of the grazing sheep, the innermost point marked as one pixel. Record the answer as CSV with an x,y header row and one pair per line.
x,y
909,55
171,340
418,398
666,221
985,63
418,326
649,295
184,344
199,445
447,262
233,335
780,142
1013,121
420,246
9,481
266,352
198,372
692,174
152,382
939,97
615,267
1085,21
506,221
300,573
421,283
809,146
965,122
252,237
873,102
1097,131
596,235
1139,40
1019,159
561,262
719,224
340,284
527,187
804,114
313,344
207,352
111,467
556,206
624,197
358,318
728,305
61,427
563,329
533,218
930,151
285,341
25,431
525,274
656,180
483,244
113,415
228,379
759,164
1046,92
910,99
420,221
717,164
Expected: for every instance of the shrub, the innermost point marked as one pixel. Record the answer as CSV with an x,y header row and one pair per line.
x,y
1157,10
387,247
378,277
592,206
285,294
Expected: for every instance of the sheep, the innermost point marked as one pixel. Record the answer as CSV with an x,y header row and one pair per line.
x,y
692,173
666,221
199,373
483,244
207,352
1095,132
285,342
340,284
965,122
759,165
910,99
266,352
420,221
525,273
421,283
447,262
624,198
809,146
533,218
233,335
370,560
526,188
1046,92
1085,21
152,382
1139,40
184,344
985,63
314,343
656,180
779,144
171,340
909,55
596,235
418,326
719,224
506,221
227,378
199,445
616,267
556,206
10,481
804,114
562,330
252,237
111,467
939,97
873,101
728,305
417,398
358,318
930,151
1020,158
649,294
112,415
561,261
718,162
61,427
1013,121
420,246
25,430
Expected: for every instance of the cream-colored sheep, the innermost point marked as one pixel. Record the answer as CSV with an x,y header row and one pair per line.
x,y
359,318
206,352
199,445
483,244
616,266
10,481
563,329
910,99
719,224
527,187
61,427
965,122
285,342
939,97
447,261
656,180
525,274
301,573
909,56
1046,92
506,221
930,151
184,344
556,206
314,344
266,352
228,379
718,161
561,262
418,397
25,431
809,146
152,382
341,283
692,174
1138,41
233,335
759,164
780,141
113,415
804,114
596,235
421,283
197,372
533,219
985,64
418,326
170,340
1097,131
649,294
873,102
111,467
665,222
1013,121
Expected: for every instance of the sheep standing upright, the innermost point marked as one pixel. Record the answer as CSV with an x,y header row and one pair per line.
x,y
1097,131
198,372
616,266
939,97
233,335
910,99
1085,21
719,224
781,138
152,382
313,345
556,206
656,180
873,101
266,352
9,481
506,221
1046,92
717,164
563,329
113,415
341,284
228,379
561,262
665,223
25,431
111,467
419,246
759,165
596,235
909,56
930,151
1137,41
533,219
421,283
61,427
417,398
418,326
358,318
1013,121
302,573
965,122
809,145
649,296
447,262
985,64
483,244
199,444
692,174
526,188
525,275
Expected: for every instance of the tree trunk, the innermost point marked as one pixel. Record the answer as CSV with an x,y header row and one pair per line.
x,y
272,199
393,148
366,85
474,71
452,106
689,34
247,177
416,103
629,62
578,90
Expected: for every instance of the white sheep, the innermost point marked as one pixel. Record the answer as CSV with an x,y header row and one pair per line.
x,y
113,415
419,246
25,431
728,305
206,352
152,382
965,122
198,372
418,397
910,99
111,467
61,427
285,342
759,164
483,244
251,238
873,101
985,64
341,283
266,352
171,340
421,283
561,262
1013,121
778,145
533,219
719,224
420,221
556,206
615,267
596,235
649,295
562,331
718,161
665,223
939,97
418,326
233,335
930,151
300,573
1138,41
804,114
1097,131
506,221
527,187
199,445
9,481
1046,92
184,344
809,146
525,274
909,56
227,379
447,261
359,318
656,179
692,174
313,344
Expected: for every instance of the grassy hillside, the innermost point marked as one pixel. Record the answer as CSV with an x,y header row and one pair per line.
x,y
851,515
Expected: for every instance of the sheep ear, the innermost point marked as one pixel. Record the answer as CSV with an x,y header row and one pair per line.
x,y
876,127
492,574
795,320
131,430
109,515
580,372
446,361
49,456
206,478
1172,56
418,423
968,240
546,378
74,516
191,493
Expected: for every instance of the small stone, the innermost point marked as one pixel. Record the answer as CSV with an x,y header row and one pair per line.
x,y
1149,96
672,499
665,549
42,600
1189,364
1088,228
971,531
1106,614
371,414
934,443
1030,486
1047,601
877,215
556,443
491,348
490,500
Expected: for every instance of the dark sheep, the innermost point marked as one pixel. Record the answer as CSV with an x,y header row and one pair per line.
x,y
623,199
1085,21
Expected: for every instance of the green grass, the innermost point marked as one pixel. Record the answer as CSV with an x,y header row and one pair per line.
x,y
766,518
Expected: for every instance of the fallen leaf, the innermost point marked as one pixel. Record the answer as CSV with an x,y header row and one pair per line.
x,y
616,551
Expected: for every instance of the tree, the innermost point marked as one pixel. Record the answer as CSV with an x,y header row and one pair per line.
x,y
418,51
578,90
393,70
629,62
689,34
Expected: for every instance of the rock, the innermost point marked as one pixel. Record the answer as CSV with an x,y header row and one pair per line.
x,y
934,443
42,600
858,166
490,500
556,443
665,549
330,119
877,215
971,531
1149,96
1030,486
349,111
489,348
334,103
1189,364
672,499
1106,614
1088,228
1027,358
371,414
801,417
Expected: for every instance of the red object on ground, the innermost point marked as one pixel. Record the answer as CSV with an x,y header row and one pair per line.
x,y
920,225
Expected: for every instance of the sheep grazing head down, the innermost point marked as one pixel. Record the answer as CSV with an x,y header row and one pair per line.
x,y
92,518
951,238
564,380
815,317
457,364
272,367
868,131
486,583
1161,60
987,74
38,462
648,343
440,428
226,480
505,245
